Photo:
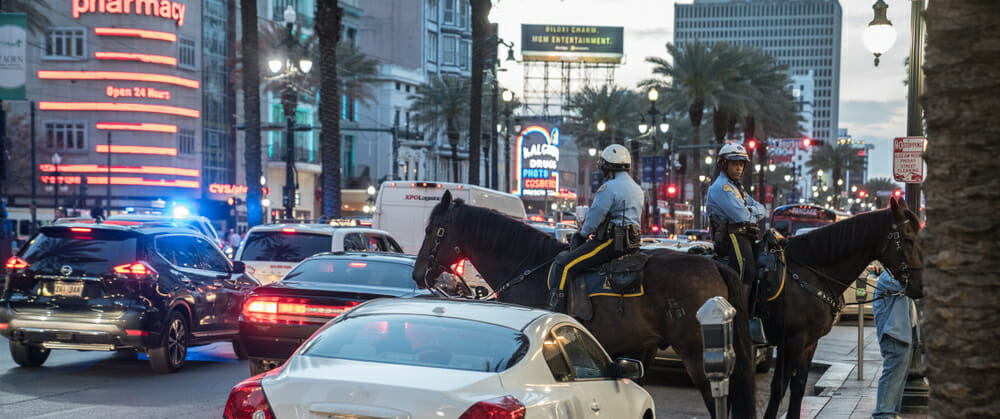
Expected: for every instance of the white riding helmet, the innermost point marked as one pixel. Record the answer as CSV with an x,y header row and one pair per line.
x,y
615,158
733,151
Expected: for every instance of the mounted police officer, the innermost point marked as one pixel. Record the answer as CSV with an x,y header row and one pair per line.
x,y
733,217
610,229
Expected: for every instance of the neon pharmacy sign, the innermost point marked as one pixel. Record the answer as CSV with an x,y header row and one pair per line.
x,y
536,161
162,8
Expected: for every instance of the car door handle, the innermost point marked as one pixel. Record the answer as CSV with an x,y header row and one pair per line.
x,y
594,405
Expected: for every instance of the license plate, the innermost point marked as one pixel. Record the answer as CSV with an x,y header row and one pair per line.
x,y
68,289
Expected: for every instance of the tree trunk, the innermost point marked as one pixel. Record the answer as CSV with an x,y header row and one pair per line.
x,y
480,32
695,113
251,111
328,26
963,260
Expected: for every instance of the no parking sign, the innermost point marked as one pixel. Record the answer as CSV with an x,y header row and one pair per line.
x,y
907,159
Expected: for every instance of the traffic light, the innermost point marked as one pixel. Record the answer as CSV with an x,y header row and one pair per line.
x,y
806,142
671,191
752,145
862,194
898,193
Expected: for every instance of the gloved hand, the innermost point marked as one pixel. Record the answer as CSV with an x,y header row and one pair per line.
x,y
576,240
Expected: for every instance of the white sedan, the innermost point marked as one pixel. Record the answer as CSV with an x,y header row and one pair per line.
x,y
431,358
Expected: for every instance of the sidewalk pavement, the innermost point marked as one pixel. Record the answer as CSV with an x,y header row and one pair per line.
x,y
839,393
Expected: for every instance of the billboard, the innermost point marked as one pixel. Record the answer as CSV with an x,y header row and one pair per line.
x,y
13,49
536,160
592,44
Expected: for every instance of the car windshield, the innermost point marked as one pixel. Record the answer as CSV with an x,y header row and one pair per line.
x,y
353,272
429,341
85,250
279,246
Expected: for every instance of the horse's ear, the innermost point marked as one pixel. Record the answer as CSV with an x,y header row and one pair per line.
x,y
898,207
446,199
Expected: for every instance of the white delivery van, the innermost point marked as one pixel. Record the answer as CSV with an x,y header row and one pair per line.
x,y
402,208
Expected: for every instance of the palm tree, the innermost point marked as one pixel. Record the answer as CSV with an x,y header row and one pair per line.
x,y
480,34
440,106
961,207
618,107
696,77
251,111
879,184
838,159
329,16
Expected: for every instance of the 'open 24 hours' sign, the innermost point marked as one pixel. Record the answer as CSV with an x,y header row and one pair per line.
x,y
907,159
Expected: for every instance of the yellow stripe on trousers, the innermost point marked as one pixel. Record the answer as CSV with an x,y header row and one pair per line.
x,y
736,250
562,281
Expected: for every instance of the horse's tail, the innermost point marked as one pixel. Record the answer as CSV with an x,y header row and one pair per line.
x,y
742,394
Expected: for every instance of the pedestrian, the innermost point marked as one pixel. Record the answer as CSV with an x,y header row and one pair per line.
x,y
233,238
613,220
733,217
896,326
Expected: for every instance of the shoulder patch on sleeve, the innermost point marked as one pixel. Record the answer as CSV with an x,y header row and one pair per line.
x,y
727,188
603,187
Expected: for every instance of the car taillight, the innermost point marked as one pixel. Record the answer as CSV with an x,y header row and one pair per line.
x,y
459,267
283,310
135,268
15,262
248,401
506,407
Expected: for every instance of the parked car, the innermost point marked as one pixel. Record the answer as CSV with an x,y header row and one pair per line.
x,y
425,358
560,231
699,234
202,224
106,287
270,251
278,317
680,244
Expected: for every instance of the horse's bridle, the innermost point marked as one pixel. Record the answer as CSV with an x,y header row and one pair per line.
x,y
431,258
903,270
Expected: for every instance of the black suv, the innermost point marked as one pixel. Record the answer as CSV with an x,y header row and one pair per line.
x,y
103,287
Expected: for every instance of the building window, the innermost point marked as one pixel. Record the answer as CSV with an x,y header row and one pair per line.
x,y
464,56
66,43
351,35
449,11
66,135
185,53
463,14
432,10
432,46
185,141
450,45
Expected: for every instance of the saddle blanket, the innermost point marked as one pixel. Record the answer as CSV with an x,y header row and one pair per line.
x,y
599,285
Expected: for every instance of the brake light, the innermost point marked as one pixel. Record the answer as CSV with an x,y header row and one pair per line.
x,y
136,268
288,230
357,264
506,407
459,267
264,309
79,229
15,262
248,401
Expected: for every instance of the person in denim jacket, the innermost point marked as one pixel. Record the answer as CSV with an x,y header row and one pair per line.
x,y
896,326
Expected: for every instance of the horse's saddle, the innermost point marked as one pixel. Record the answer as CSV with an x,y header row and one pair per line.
x,y
621,277
771,266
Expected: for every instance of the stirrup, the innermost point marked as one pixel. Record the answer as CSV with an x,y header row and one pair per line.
x,y
757,332
557,301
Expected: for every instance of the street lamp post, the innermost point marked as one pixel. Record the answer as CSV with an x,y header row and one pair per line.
x,y
289,103
56,159
508,96
656,121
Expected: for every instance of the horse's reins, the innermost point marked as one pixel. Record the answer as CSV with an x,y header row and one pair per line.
x,y
836,303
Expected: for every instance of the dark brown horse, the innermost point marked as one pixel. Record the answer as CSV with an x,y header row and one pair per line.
x,y
676,285
822,264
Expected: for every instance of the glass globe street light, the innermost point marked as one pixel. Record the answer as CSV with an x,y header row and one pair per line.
x,y
601,125
592,152
879,36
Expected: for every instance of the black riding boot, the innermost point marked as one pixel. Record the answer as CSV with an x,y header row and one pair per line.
x,y
557,297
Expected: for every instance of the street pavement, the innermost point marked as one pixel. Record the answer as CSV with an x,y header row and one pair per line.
x,y
839,394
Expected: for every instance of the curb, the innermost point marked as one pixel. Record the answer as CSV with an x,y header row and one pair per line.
x,y
833,378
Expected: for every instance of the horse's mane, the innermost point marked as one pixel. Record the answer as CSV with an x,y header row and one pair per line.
x,y
500,234
833,242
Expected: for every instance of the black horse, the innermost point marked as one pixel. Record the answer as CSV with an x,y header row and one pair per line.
x,y
822,264
676,285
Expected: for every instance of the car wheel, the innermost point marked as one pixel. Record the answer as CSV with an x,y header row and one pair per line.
x,y
239,350
28,355
169,356
765,361
258,366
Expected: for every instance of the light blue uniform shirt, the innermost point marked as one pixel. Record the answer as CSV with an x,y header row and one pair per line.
x,y
728,201
618,195
895,315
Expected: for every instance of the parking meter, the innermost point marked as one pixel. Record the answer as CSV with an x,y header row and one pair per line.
x,y
861,292
716,318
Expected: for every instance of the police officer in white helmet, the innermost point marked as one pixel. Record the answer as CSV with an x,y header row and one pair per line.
x,y
733,216
610,229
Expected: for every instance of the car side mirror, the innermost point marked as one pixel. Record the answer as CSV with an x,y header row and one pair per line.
x,y
481,292
629,368
239,267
